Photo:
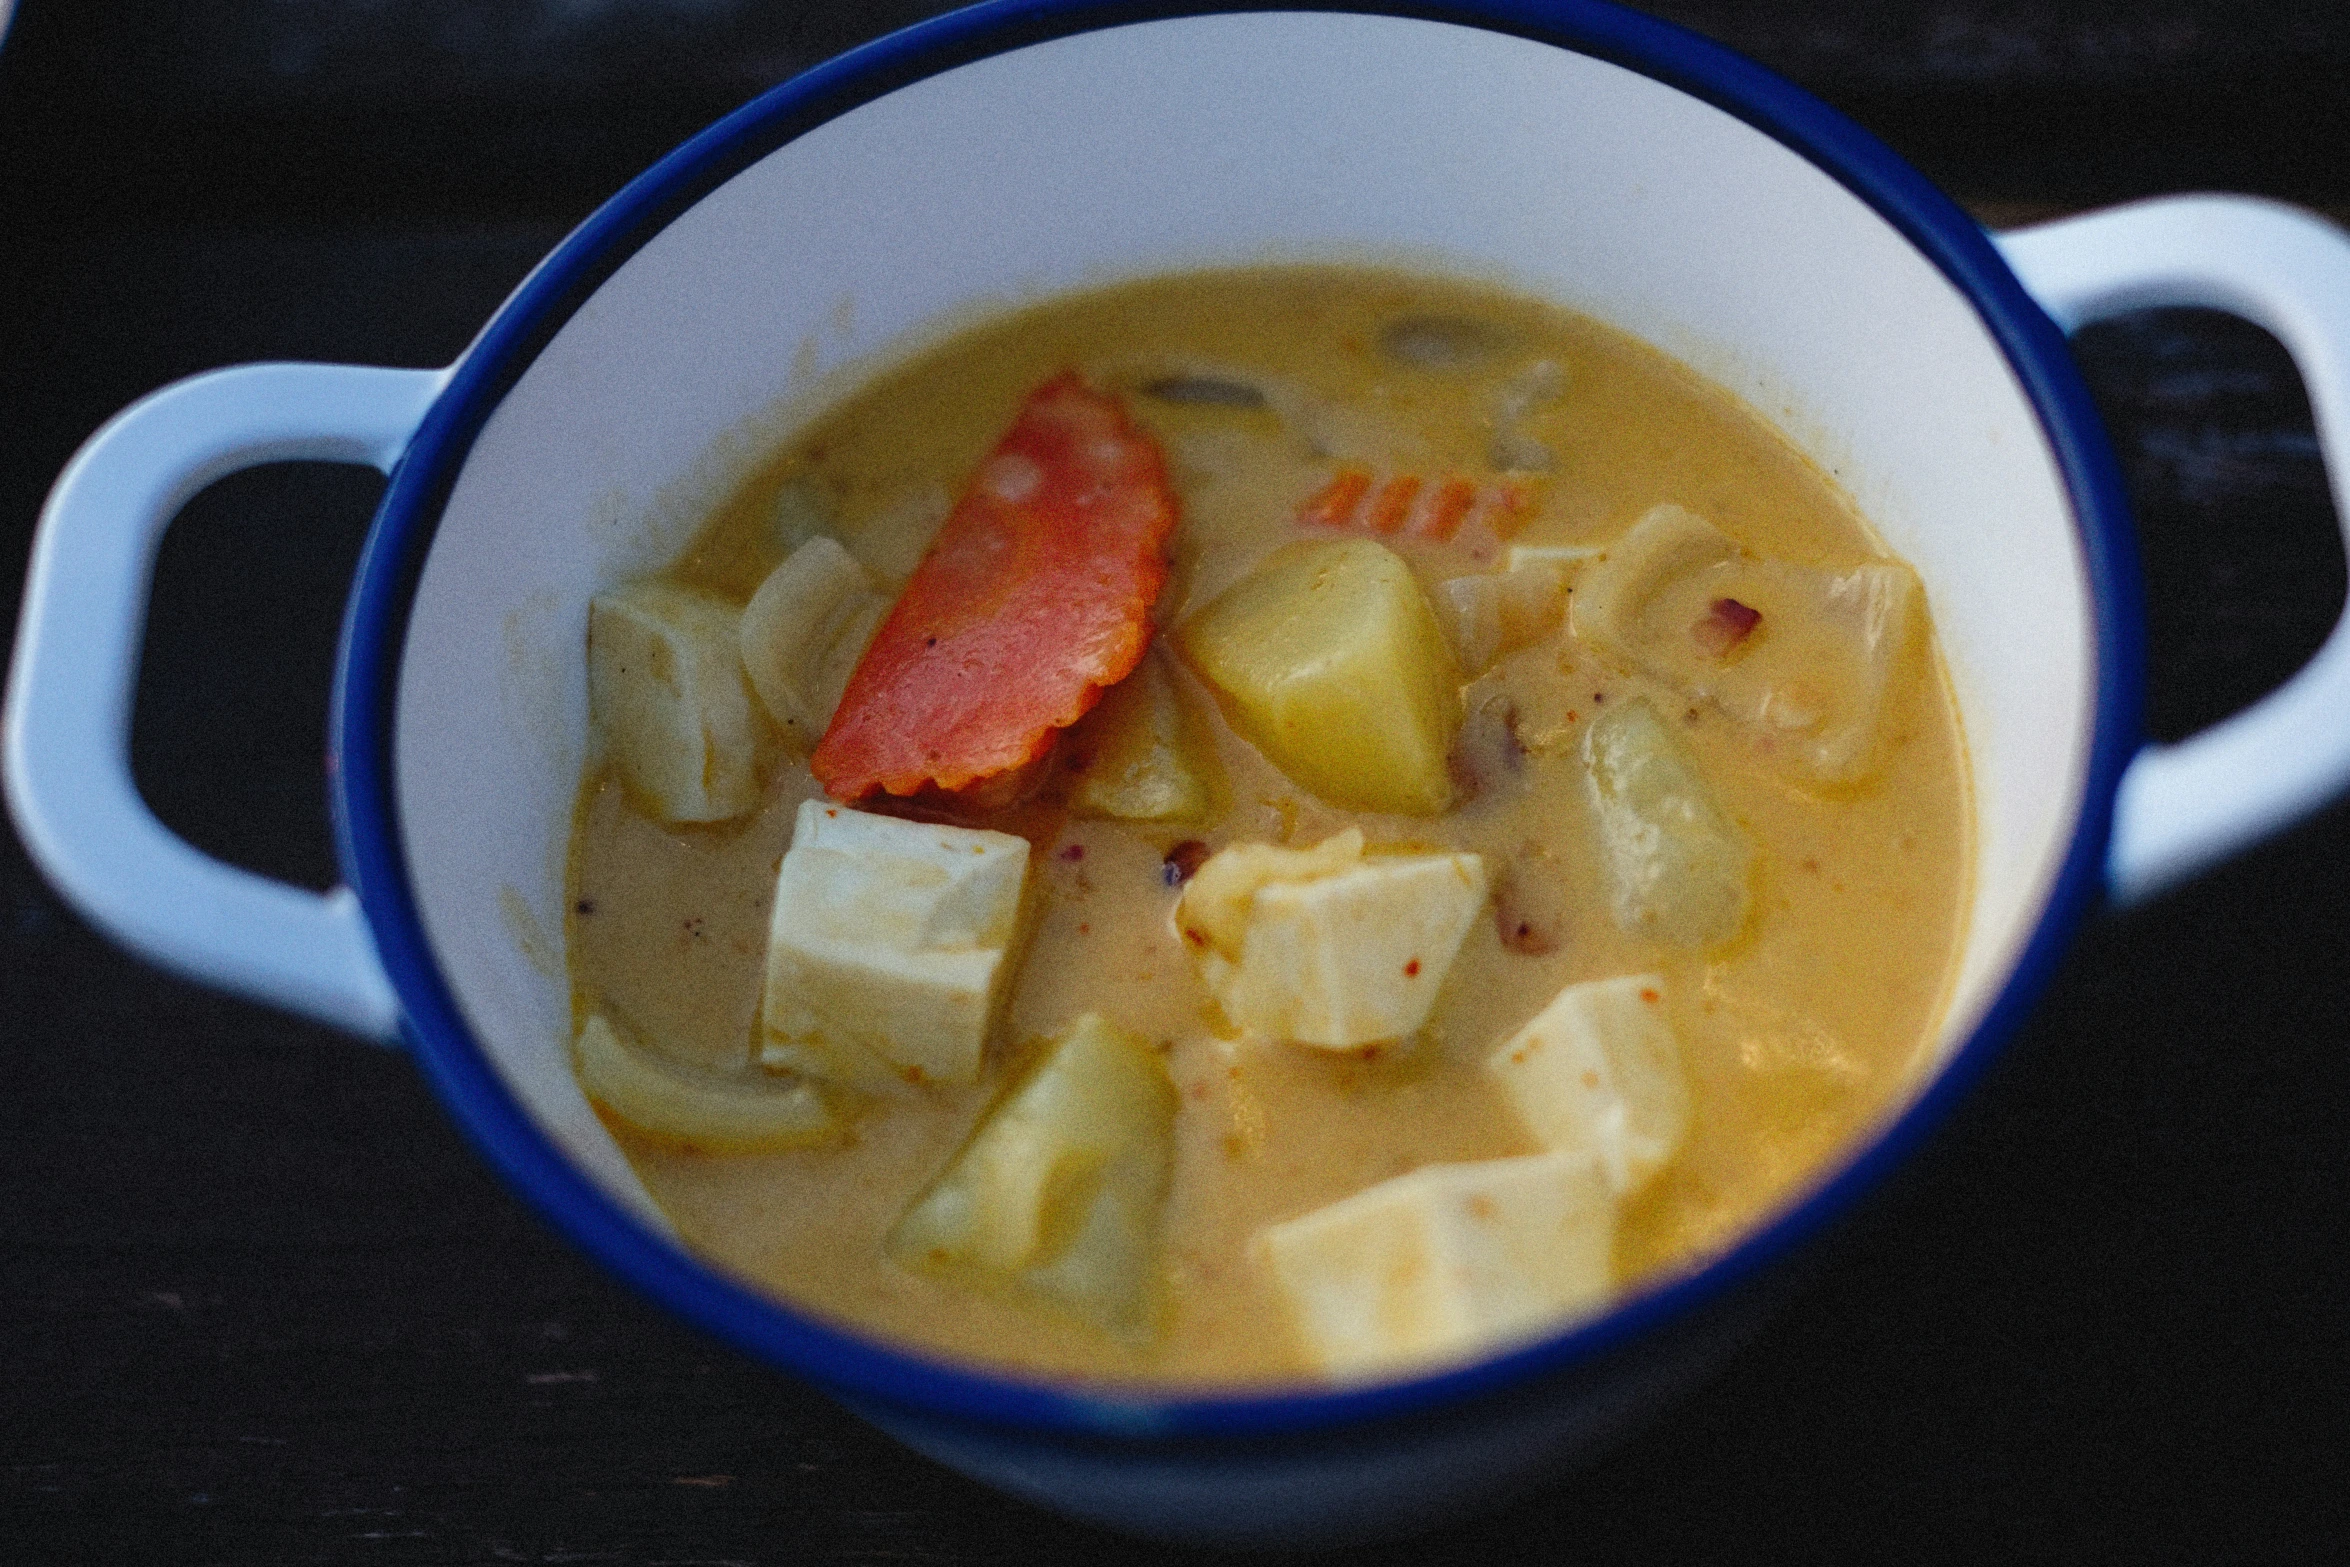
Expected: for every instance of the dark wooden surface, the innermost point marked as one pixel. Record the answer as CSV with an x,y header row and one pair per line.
x,y
260,1303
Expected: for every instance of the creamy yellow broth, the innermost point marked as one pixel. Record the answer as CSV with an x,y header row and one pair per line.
x,y
1795,1036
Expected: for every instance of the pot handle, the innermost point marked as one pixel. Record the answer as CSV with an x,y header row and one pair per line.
x,y
65,732
2184,807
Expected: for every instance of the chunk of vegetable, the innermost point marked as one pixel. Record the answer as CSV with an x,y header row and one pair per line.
x,y
1057,1194
1143,757
671,1103
1491,613
1598,1073
1444,1262
1334,666
803,632
889,948
1677,867
1807,674
666,692
1035,598
1407,504
1324,947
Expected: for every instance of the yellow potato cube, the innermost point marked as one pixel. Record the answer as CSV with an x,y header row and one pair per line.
x,y
1332,664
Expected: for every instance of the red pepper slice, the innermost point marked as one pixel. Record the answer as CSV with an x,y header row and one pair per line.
x,y
1034,599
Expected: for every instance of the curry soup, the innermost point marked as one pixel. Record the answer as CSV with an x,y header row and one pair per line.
x,y
1602,538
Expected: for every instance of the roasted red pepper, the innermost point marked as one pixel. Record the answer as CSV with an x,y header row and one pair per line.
x,y
1034,599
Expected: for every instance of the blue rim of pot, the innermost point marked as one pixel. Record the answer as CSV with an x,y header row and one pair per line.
x,y
362,786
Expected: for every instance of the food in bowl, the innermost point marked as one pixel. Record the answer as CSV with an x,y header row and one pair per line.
x,y
1262,826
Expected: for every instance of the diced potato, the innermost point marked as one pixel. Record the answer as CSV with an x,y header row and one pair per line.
x,y
1335,668
1323,946
1598,1073
889,948
1809,677
1057,1193
803,632
665,690
1496,612
1677,867
672,1103
1144,758
1445,1262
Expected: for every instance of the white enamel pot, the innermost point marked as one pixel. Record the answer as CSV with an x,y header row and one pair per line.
x,y
1587,155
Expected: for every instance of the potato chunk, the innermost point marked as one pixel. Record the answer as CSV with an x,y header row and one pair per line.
x,y
1802,657
665,690
1323,946
1057,1194
1677,867
889,948
1598,1072
1333,665
675,1104
803,632
1143,757
1444,1262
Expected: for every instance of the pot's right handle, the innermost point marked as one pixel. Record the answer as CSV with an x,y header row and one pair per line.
x,y
65,733
2187,806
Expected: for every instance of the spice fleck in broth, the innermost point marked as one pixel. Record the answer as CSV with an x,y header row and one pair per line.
x,y
1524,837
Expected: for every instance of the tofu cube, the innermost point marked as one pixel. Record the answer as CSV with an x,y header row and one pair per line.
x,y
1597,1073
666,692
1325,947
1057,1194
889,948
1445,1262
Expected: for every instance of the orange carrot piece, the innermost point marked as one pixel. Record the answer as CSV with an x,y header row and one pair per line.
x,y
1035,599
1333,505
1393,503
1441,517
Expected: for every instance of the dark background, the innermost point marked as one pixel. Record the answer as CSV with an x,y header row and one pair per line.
x,y
259,1303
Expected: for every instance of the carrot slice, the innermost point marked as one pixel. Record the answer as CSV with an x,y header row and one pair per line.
x,y
1035,598
1333,505
1442,516
1407,503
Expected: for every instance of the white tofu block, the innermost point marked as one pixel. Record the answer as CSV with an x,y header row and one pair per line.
x,y
669,1102
888,950
1597,1073
665,689
1332,951
1057,1194
1445,1262
803,633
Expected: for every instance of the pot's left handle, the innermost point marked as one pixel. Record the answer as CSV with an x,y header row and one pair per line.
x,y
65,735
